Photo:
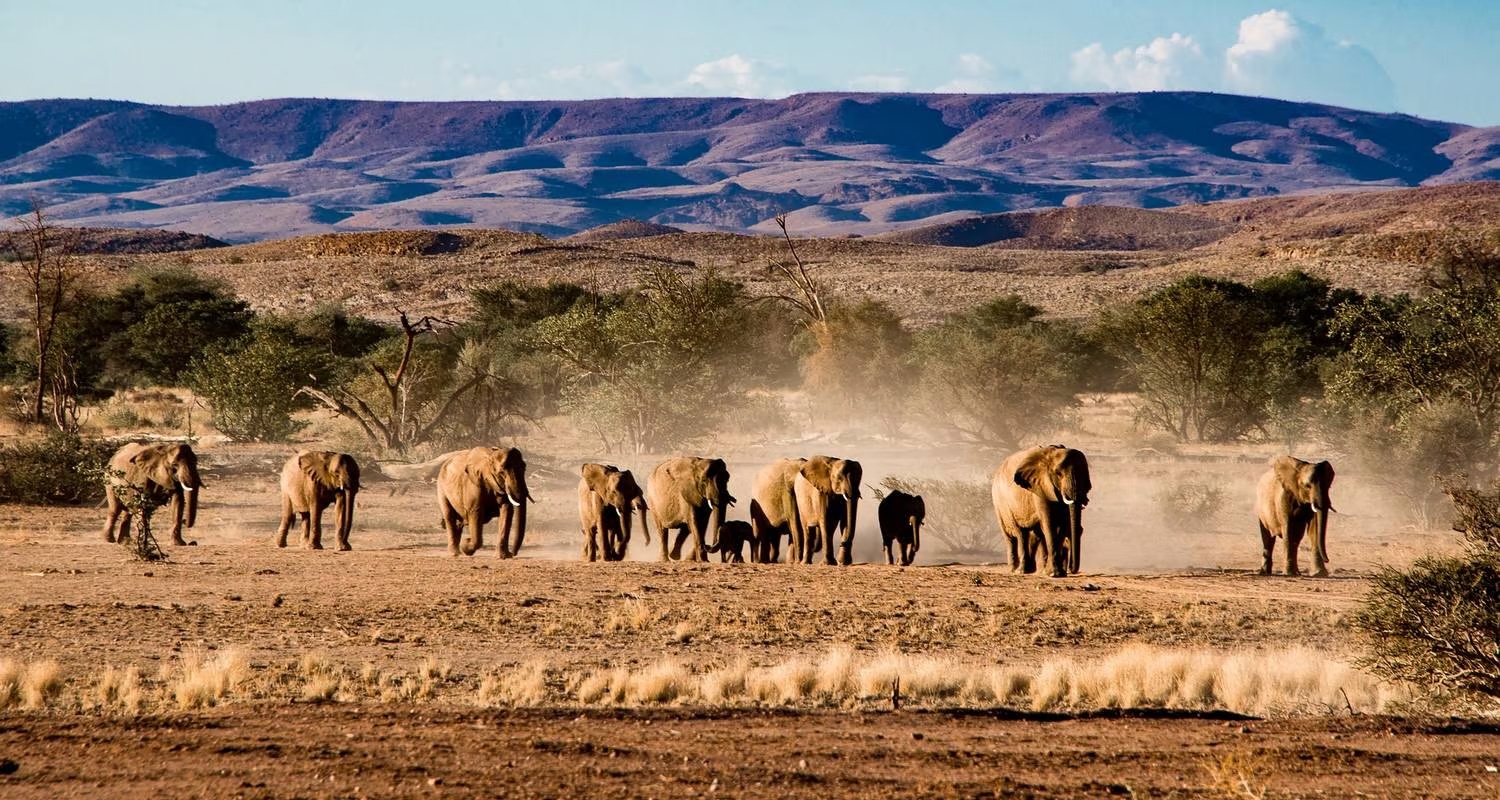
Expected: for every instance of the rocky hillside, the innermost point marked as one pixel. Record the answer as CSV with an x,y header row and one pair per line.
x,y
838,163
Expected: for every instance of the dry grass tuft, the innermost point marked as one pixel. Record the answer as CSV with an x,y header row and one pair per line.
x,y
202,681
11,674
1237,775
119,689
29,686
632,615
522,685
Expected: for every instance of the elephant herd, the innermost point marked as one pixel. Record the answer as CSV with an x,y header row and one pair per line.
x,y
809,504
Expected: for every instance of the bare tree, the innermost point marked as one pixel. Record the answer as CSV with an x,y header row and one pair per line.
x,y
807,294
397,426
49,279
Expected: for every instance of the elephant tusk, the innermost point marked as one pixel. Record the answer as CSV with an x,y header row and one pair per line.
x,y
513,501
1067,501
187,488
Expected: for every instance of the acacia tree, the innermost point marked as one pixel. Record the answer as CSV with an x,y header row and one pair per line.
x,y
49,279
998,373
663,367
410,389
1207,361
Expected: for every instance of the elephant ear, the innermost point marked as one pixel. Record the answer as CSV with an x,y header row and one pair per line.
x,y
512,460
597,476
1289,474
1034,474
1323,472
818,471
314,466
346,463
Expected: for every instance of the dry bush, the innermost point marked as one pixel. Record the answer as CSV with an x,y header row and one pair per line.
x,y
201,680
321,678
1188,502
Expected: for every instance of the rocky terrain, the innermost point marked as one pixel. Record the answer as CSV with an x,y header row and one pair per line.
x,y
839,164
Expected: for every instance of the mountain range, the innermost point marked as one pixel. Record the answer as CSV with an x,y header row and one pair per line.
x,y
837,164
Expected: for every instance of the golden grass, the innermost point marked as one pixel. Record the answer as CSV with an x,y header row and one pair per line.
x,y
1271,683
632,615
520,686
202,680
119,690
31,686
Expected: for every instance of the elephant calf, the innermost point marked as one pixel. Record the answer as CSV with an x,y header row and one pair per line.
x,y
901,516
733,535
311,481
1292,498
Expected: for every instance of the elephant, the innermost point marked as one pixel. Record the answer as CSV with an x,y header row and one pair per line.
x,y
1039,495
1292,494
901,516
733,535
477,485
607,500
773,510
162,473
311,481
827,492
689,495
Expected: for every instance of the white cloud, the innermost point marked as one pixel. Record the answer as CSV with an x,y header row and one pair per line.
x,y
975,75
1275,55
1168,62
737,76
578,81
1279,55
880,83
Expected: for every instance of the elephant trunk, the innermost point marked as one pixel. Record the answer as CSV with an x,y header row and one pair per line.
x,y
345,504
1320,534
851,517
626,512
715,523
191,499
1075,536
520,523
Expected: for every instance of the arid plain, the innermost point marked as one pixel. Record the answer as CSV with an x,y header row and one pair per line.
x,y
1166,669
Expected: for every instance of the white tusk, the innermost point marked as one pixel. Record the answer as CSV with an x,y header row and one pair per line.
x,y
513,501
1315,508
187,488
1067,502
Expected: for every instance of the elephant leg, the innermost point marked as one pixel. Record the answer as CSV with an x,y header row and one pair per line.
x,y
124,536
113,507
1051,538
846,547
889,558
176,506
1267,544
590,544
1013,549
473,534
503,547
1293,542
453,527
830,529
662,538
286,522
1030,542
314,529
677,542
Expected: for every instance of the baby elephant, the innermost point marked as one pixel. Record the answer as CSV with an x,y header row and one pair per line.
x,y
901,516
311,481
733,535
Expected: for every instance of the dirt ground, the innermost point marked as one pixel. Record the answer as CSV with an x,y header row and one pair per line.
x,y
398,606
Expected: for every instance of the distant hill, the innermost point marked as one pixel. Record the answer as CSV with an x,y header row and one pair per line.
x,y
838,164
625,229
1082,228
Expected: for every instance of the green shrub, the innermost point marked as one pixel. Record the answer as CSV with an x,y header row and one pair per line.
x,y
252,385
62,469
1436,625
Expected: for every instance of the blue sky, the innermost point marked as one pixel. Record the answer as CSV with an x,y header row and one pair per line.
x,y
1433,58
